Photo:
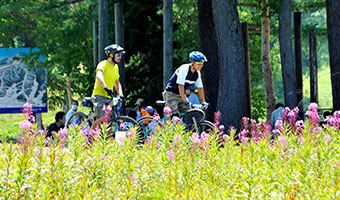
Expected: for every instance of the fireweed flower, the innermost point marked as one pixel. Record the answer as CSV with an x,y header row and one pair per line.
x,y
327,138
122,127
278,125
245,121
217,118
134,177
243,135
27,111
107,115
167,110
195,138
291,151
313,107
283,142
300,126
300,139
131,133
26,125
276,132
156,117
177,137
171,154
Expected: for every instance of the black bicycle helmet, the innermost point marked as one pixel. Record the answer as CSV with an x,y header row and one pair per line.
x,y
113,48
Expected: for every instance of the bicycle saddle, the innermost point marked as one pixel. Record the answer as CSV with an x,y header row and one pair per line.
x,y
193,113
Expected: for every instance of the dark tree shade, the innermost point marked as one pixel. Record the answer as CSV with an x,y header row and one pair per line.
x,y
211,69
232,85
286,53
333,26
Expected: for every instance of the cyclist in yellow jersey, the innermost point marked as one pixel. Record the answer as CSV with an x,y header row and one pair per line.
x,y
107,78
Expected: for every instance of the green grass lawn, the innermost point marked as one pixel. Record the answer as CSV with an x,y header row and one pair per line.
x,y
9,123
324,88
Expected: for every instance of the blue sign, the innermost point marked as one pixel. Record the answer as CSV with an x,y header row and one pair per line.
x,y
19,84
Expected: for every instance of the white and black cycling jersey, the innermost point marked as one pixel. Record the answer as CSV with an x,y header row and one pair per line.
x,y
184,76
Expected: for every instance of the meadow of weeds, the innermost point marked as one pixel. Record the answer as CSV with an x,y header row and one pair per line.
x,y
296,160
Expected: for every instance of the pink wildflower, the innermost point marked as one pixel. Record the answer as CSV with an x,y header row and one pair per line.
x,y
26,125
107,115
195,138
102,156
131,133
327,138
177,137
313,107
156,117
283,142
63,132
167,110
134,177
138,186
122,126
171,154
291,151
217,118
300,139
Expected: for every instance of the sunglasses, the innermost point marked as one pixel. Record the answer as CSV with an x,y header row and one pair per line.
x,y
199,63
119,55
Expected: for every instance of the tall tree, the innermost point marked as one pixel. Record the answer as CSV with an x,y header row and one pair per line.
x,y
232,84
210,49
333,26
286,53
265,55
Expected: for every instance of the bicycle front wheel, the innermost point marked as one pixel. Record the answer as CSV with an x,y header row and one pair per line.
x,y
146,126
79,119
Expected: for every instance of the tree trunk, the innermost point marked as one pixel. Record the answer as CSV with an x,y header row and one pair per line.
x,y
265,55
119,33
69,93
167,41
211,69
286,53
103,28
333,26
232,84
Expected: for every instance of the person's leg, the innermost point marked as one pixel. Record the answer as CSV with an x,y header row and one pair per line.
x,y
99,102
172,100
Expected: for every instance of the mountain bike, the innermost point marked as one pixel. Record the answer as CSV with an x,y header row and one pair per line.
x,y
118,125
193,119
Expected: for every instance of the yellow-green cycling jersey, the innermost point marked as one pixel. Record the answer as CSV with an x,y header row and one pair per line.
x,y
111,75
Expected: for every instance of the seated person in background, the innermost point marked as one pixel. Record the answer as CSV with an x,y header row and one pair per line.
x,y
277,114
140,108
149,110
192,97
57,125
74,109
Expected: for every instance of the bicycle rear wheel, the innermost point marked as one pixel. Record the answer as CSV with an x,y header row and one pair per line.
x,y
80,119
122,125
204,126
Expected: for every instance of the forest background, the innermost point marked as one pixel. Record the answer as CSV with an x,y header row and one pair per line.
x,y
62,30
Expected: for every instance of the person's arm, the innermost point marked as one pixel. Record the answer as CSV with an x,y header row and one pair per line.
x,y
100,78
118,88
181,92
201,94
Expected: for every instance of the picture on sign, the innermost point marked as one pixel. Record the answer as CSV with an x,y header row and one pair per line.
x,y
19,84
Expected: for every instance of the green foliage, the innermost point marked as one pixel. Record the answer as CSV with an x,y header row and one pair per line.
x,y
62,32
